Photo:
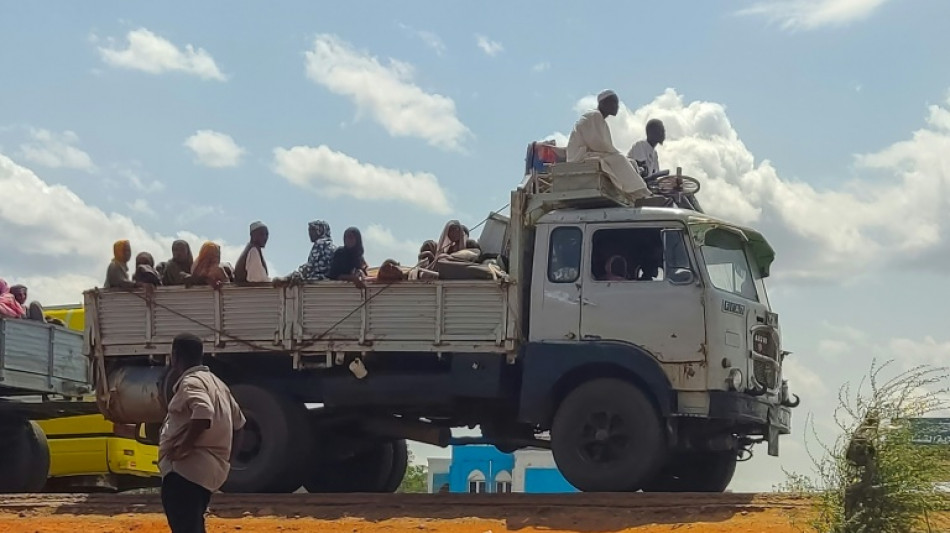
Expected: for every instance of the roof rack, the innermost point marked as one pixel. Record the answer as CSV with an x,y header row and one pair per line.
x,y
580,185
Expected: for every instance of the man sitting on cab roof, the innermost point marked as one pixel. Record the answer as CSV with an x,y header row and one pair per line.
x,y
591,139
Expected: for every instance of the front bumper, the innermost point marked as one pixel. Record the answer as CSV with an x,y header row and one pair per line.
x,y
761,412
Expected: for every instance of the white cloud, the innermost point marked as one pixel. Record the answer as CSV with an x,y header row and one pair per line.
x,y
214,149
812,14
429,38
334,174
490,47
141,206
56,150
140,184
156,55
63,244
541,67
381,244
833,234
194,213
386,92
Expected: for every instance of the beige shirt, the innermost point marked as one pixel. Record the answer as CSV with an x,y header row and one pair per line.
x,y
200,395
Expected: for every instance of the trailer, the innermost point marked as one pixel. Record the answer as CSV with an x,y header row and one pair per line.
x,y
43,374
660,378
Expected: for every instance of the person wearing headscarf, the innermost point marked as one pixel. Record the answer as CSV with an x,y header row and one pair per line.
x,y
318,262
207,269
145,272
590,139
427,254
9,306
251,266
178,268
117,275
33,310
348,263
452,239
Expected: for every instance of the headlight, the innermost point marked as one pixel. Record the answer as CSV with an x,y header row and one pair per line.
x,y
735,380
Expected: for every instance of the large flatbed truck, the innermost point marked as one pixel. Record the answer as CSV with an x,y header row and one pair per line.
x,y
661,380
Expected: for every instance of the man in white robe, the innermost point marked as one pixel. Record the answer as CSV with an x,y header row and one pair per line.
x,y
643,153
590,139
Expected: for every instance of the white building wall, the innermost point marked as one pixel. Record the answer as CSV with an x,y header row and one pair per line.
x,y
529,458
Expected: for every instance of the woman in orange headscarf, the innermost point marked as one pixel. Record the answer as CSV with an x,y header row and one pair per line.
x,y
117,275
207,269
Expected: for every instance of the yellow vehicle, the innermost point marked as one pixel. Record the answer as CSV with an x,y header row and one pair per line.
x,y
90,453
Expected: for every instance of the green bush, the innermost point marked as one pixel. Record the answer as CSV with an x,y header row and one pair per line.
x,y
897,493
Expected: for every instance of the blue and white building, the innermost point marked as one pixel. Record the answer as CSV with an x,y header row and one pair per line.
x,y
482,468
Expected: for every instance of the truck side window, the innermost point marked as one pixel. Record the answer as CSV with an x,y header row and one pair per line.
x,y
564,254
628,254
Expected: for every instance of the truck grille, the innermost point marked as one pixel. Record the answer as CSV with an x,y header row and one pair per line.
x,y
765,361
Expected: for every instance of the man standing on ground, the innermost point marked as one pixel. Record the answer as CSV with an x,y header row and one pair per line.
x,y
591,139
251,267
200,433
643,153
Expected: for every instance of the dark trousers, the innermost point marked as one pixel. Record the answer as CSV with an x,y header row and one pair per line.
x,y
185,504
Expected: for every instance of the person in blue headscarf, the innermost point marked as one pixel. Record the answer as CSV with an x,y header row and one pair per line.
x,y
317,266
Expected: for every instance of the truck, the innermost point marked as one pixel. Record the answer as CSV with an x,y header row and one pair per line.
x,y
43,375
661,378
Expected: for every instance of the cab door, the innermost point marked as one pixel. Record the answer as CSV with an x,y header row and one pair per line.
x,y
556,282
640,286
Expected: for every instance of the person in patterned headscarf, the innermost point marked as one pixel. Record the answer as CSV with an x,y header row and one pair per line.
x,y
318,262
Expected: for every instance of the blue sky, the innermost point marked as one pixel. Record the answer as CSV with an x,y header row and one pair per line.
x,y
823,122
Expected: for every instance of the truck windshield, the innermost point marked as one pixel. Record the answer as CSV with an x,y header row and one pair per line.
x,y
727,264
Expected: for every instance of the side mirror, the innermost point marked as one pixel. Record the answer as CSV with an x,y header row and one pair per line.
x,y
682,276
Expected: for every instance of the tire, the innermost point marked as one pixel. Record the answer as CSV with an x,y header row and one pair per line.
x,y
607,437
24,457
400,464
369,471
696,472
275,445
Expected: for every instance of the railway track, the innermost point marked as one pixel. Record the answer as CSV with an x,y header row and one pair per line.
x,y
383,506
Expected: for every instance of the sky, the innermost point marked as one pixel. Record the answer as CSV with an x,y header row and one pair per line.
x,y
823,123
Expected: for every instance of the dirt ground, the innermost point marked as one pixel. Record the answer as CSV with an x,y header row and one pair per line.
x,y
577,513
772,521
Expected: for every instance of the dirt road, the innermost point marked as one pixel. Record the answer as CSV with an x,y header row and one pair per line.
x,y
446,513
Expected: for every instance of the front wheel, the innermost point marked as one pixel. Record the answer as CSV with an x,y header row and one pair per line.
x,y
696,472
607,437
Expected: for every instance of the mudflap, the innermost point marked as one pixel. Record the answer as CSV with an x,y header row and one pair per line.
x,y
780,422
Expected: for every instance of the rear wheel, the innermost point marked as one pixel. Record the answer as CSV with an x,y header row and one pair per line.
x,y
24,456
275,444
400,464
696,472
379,468
607,437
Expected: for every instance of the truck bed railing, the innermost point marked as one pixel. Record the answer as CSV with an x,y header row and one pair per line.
x,y
39,358
303,320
